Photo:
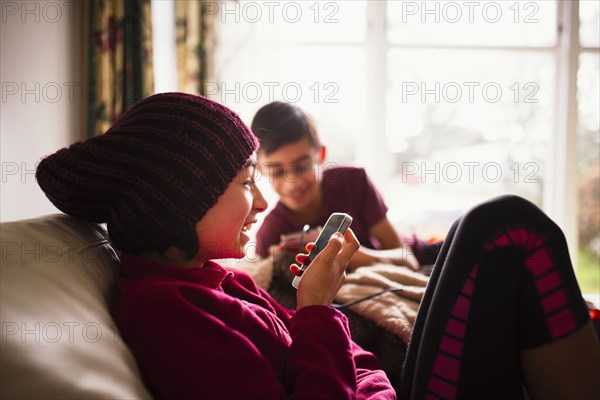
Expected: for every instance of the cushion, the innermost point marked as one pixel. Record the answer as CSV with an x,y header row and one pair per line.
x,y
57,280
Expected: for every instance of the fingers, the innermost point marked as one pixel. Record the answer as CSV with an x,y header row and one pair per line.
x,y
322,280
301,258
336,241
294,269
343,247
350,247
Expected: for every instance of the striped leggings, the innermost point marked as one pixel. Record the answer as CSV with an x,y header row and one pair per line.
x,y
502,283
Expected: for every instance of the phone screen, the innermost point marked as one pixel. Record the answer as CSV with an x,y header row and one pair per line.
x,y
321,242
337,222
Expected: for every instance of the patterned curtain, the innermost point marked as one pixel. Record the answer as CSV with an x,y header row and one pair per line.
x,y
118,61
195,44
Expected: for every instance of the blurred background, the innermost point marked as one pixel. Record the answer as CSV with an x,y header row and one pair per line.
x,y
445,103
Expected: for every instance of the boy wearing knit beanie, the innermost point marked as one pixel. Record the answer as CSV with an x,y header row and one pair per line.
x,y
173,179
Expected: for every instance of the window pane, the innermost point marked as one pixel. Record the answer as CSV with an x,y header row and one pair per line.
x,y
588,95
295,21
468,125
327,81
483,23
589,29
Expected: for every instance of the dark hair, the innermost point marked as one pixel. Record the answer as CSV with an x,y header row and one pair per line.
x,y
279,123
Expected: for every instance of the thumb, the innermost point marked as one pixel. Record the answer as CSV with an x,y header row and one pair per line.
x,y
350,247
336,241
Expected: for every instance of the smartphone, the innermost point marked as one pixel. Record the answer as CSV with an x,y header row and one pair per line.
x,y
337,222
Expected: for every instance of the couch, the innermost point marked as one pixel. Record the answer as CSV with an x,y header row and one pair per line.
x,y
57,279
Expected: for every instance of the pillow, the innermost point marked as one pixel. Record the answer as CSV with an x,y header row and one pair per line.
x,y
57,279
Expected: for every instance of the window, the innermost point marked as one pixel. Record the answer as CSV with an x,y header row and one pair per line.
x,y
309,53
445,103
588,149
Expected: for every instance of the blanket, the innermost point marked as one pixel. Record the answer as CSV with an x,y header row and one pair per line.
x,y
394,310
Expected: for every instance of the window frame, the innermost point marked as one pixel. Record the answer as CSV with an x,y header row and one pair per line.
x,y
560,199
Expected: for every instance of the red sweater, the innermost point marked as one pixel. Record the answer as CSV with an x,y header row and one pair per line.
x,y
344,189
211,333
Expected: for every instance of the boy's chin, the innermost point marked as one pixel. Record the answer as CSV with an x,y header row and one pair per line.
x,y
241,253
235,254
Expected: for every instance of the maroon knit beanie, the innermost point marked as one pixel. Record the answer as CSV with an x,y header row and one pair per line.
x,y
154,174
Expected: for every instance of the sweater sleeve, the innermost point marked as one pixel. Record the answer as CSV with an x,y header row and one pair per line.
x,y
321,333
186,351
324,363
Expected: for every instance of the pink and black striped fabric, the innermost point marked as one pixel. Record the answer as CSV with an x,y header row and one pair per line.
x,y
502,283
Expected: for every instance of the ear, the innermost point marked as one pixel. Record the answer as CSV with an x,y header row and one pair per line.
x,y
322,154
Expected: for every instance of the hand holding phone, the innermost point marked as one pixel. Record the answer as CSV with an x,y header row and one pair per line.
x,y
337,222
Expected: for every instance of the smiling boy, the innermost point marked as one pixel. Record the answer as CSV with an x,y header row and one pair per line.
x,y
293,158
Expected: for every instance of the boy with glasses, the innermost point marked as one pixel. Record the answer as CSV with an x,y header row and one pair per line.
x,y
292,157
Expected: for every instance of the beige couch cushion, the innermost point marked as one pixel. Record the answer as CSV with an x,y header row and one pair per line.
x,y
58,338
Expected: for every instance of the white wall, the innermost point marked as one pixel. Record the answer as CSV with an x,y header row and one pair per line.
x,y
41,97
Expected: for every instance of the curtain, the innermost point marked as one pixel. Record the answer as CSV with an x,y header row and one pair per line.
x,y
195,33
118,59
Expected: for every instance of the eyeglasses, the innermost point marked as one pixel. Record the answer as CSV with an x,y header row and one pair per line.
x,y
291,171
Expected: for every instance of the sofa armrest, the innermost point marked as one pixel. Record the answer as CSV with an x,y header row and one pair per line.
x,y
57,280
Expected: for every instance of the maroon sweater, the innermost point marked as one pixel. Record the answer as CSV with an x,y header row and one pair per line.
x,y
344,189
211,333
